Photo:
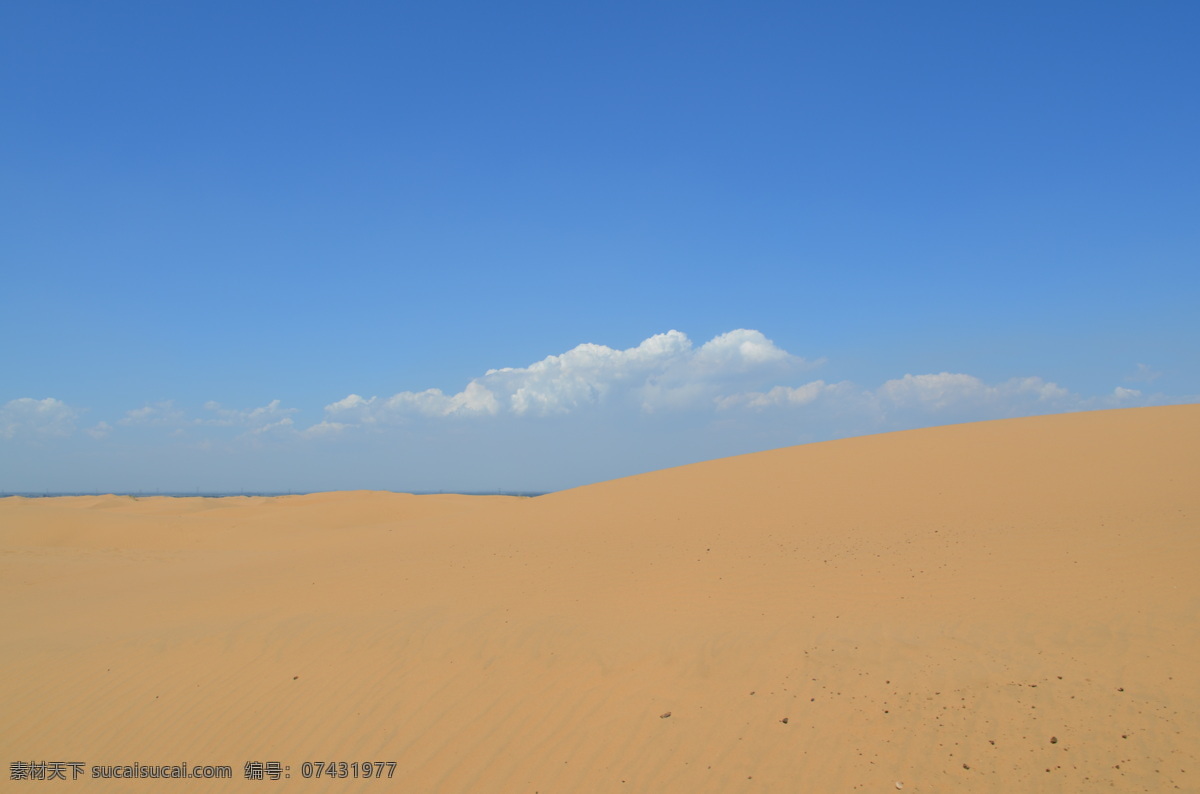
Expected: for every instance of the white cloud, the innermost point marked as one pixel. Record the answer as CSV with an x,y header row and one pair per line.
x,y
737,375
269,415
283,424
161,413
663,371
739,370
787,395
739,351
943,396
26,417
946,389
475,399
588,374
349,403
256,423
324,429
100,430
1143,374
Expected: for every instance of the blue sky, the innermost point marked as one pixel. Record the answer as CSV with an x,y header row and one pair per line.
x,y
241,242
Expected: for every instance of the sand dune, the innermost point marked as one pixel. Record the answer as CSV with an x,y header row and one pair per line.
x,y
997,607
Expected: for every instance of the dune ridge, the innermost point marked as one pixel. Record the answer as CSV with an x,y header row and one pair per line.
x,y
1000,606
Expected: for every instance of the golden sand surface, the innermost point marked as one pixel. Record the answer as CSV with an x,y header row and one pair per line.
x,y
1007,606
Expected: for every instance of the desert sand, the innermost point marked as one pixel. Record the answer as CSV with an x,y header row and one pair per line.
x,y
994,607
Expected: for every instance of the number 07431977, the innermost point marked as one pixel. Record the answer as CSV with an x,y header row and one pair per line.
x,y
355,769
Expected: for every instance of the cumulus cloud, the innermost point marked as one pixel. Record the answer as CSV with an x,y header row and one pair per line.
x,y
741,370
26,417
731,378
664,371
738,352
589,374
